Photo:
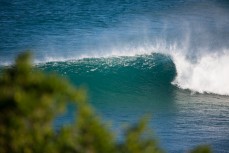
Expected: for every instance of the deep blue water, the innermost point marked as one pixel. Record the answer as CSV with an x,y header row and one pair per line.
x,y
169,59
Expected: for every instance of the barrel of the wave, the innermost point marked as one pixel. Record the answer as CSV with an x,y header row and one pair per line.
x,y
122,74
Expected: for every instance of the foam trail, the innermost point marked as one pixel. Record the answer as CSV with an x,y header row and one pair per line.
x,y
208,75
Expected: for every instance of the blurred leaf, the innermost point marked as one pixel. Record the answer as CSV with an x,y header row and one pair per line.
x,y
201,149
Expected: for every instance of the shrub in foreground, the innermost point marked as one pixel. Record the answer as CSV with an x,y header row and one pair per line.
x,y
29,102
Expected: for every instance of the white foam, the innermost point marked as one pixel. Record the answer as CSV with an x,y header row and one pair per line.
x,y
6,63
209,74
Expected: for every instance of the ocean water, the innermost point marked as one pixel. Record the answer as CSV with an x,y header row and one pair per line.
x,y
167,59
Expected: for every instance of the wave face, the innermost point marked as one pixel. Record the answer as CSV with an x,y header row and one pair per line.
x,y
119,74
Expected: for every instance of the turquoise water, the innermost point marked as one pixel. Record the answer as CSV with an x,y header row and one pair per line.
x,y
122,89
168,59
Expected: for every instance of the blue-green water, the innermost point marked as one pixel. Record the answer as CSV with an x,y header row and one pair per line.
x,y
169,59
122,89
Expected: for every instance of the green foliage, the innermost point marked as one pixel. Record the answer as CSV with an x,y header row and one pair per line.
x,y
136,143
201,149
29,102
